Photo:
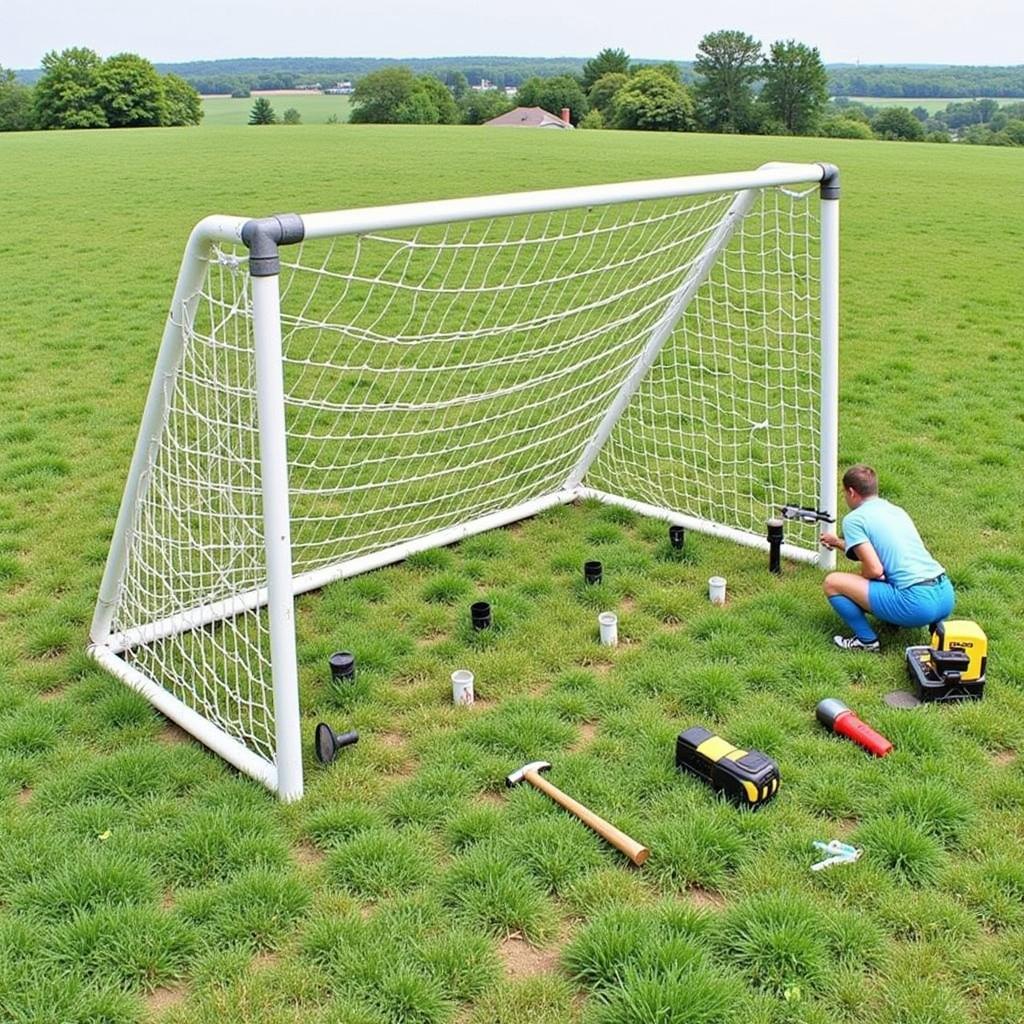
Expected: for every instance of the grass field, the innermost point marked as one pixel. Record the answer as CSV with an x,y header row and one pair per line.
x,y
315,108
932,104
142,880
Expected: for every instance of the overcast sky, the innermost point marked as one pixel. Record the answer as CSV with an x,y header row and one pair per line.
x,y
869,31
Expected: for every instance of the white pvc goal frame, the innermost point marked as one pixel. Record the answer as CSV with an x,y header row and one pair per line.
x,y
282,772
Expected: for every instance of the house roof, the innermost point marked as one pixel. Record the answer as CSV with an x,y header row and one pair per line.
x,y
528,117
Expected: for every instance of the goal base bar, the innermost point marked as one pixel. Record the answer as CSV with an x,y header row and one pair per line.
x,y
749,540
181,714
204,615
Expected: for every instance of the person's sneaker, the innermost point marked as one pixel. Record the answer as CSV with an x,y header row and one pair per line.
x,y
854,643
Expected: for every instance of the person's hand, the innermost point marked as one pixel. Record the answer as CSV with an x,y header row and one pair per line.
x,y
830,540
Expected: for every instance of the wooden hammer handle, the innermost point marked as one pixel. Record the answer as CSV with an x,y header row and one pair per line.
x,y
630,847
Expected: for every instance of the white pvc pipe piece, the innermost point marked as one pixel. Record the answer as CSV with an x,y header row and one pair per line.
x,y
716,590
462,686
608,623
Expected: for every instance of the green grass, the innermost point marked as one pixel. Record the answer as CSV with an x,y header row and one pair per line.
x,y
314,108
932,104
134,862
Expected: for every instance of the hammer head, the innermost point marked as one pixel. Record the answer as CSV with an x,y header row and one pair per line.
x,y
517,776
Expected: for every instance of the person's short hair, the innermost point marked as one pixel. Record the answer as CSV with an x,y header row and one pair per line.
x,y
861,479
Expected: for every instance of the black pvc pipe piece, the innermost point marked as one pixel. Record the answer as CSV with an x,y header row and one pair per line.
x,y
592,572
677,537
480,615
775,530
343,666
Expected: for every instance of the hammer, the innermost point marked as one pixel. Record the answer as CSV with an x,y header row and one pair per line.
x,y
531,773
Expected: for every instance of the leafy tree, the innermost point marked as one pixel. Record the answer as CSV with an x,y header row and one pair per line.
x,y
397,96
651,101
553,94
607,62
182,104
602,92
897,123
416,108
131,92
480,106
458,84
445,109
291,116
728,63
1015,131
592,119
795,86
377,96
68,93
15,103
669,68
262,112
845,128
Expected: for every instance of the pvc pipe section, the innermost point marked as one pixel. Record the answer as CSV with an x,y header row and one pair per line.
x,y
608,623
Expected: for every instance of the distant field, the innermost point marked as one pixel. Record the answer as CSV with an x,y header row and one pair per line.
x,y
315,108
932,104
143,881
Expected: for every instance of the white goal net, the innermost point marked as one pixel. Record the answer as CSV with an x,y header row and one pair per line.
x,y
664,348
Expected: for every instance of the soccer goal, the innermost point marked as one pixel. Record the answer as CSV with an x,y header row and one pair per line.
x,y
336,391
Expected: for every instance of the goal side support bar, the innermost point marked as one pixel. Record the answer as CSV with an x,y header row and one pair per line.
x,y
183,306
663,329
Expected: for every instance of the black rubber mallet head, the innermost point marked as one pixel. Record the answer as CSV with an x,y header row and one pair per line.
x,y
328,742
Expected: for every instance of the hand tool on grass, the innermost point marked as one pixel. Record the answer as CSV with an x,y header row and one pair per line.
x,y
838,718
531,774
748,778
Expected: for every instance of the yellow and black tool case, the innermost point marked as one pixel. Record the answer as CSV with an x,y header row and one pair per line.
x,y
747,777
953,668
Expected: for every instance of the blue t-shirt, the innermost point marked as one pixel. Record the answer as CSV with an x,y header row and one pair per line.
x,y
895,539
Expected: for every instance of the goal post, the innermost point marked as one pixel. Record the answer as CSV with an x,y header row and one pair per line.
x,y
336,391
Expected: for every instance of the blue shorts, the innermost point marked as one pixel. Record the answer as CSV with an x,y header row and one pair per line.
x,y
918,605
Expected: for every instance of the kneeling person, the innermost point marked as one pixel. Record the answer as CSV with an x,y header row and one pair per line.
x,y
899,581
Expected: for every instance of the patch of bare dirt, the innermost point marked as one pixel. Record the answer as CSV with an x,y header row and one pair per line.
x,y
24,796
1004,758
266,960
47,695
705,898
588,730
160,1000
491,797
306,855
522,960
390,739
171,735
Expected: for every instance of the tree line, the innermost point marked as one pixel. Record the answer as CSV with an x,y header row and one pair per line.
x,y
614,92
736,87
78,89
952,82
242,75
977,122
